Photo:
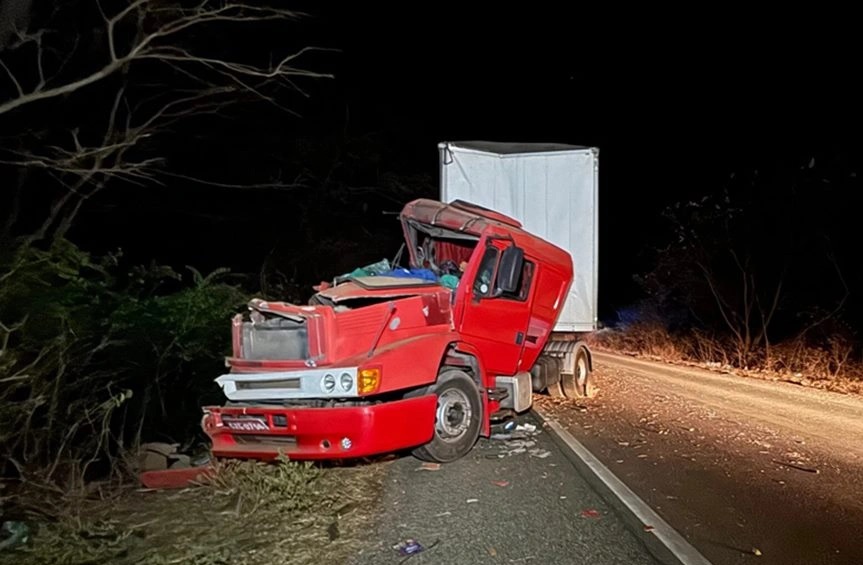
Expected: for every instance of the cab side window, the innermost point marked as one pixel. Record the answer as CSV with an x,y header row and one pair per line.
x,y
482,285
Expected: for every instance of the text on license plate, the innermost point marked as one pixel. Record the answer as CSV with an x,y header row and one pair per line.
x,y
246,424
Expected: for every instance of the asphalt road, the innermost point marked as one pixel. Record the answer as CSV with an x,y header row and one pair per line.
x,y
505,502
749,471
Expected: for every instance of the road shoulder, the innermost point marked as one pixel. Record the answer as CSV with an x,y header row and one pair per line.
x,y
505,502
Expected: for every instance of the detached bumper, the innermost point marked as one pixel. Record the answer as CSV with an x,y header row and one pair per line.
x,y
262,432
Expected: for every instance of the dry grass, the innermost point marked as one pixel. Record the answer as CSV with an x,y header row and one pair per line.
x,y
830,366
249,513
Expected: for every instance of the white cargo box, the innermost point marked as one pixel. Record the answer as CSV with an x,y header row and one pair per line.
x,y
551,189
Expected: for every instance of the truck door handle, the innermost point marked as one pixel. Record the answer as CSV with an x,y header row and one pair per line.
x,y
519,338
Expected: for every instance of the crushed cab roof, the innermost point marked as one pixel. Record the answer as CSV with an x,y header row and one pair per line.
x,y
458,216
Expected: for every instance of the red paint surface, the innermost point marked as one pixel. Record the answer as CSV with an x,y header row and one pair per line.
x,y
175,478
407,335
380,428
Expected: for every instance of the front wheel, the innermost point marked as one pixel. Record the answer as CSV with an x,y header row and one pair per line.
x,y
458,418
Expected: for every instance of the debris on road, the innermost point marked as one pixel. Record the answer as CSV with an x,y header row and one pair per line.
x,y
798,467
756,551
539,453
429,467
161,465
408,547
180,477
472,500
157,456
590,513
500,483
529,428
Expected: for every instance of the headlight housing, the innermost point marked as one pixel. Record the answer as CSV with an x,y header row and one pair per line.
x,y
346,381
328,383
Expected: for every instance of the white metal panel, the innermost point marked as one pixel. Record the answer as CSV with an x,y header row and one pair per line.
x,y
554,193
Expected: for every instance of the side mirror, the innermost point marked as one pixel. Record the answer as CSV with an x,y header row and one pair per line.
x,y
509,270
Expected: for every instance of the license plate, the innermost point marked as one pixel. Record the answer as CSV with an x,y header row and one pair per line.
x,y
246,424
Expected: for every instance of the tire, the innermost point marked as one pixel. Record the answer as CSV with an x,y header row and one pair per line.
x,y
583,374
458,418
554,377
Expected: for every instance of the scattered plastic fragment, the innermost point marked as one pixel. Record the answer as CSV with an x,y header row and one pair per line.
x,y
408,547
798,467
756,551
590,513
176,477
500,483
13,534
507,426
429,467
530,428
472,500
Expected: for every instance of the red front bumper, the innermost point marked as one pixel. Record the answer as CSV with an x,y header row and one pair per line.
x,y
320,433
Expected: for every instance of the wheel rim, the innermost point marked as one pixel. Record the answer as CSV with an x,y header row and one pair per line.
x,y
581,372
453,415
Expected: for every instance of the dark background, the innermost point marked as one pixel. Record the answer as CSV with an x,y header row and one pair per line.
x,y
730,161
676,101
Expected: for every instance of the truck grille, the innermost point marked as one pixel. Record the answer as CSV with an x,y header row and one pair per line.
x,y
275,339
292,384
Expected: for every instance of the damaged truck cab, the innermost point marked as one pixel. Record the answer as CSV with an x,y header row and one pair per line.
x,y
383,363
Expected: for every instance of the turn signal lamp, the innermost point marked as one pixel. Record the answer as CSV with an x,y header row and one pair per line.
x,y
369,380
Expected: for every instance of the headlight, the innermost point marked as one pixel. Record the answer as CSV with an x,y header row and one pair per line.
x,y
346,381
328,383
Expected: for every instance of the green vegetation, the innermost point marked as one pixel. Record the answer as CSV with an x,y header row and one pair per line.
x,y
94,358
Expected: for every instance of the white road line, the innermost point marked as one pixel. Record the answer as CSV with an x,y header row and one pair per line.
x,y
668,536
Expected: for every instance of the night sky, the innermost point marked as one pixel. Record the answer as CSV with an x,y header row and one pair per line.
x,y
675,101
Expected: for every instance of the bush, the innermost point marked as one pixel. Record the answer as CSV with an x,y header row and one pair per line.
x,y
829,361
91,360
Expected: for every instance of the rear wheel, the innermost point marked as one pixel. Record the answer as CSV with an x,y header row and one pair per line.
x,y
458,418
583,379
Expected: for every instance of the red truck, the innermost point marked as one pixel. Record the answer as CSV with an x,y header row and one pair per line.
x,y
379,364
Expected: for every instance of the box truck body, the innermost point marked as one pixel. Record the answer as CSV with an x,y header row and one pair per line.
x,y
552,189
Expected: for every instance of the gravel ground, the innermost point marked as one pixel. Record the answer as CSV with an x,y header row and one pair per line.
x,y
748,471
517,501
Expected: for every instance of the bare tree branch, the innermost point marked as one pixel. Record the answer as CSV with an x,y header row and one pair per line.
x,y
272,185
147,47
12,78
83,160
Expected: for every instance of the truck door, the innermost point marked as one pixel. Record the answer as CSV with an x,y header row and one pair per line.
x,y
495,320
